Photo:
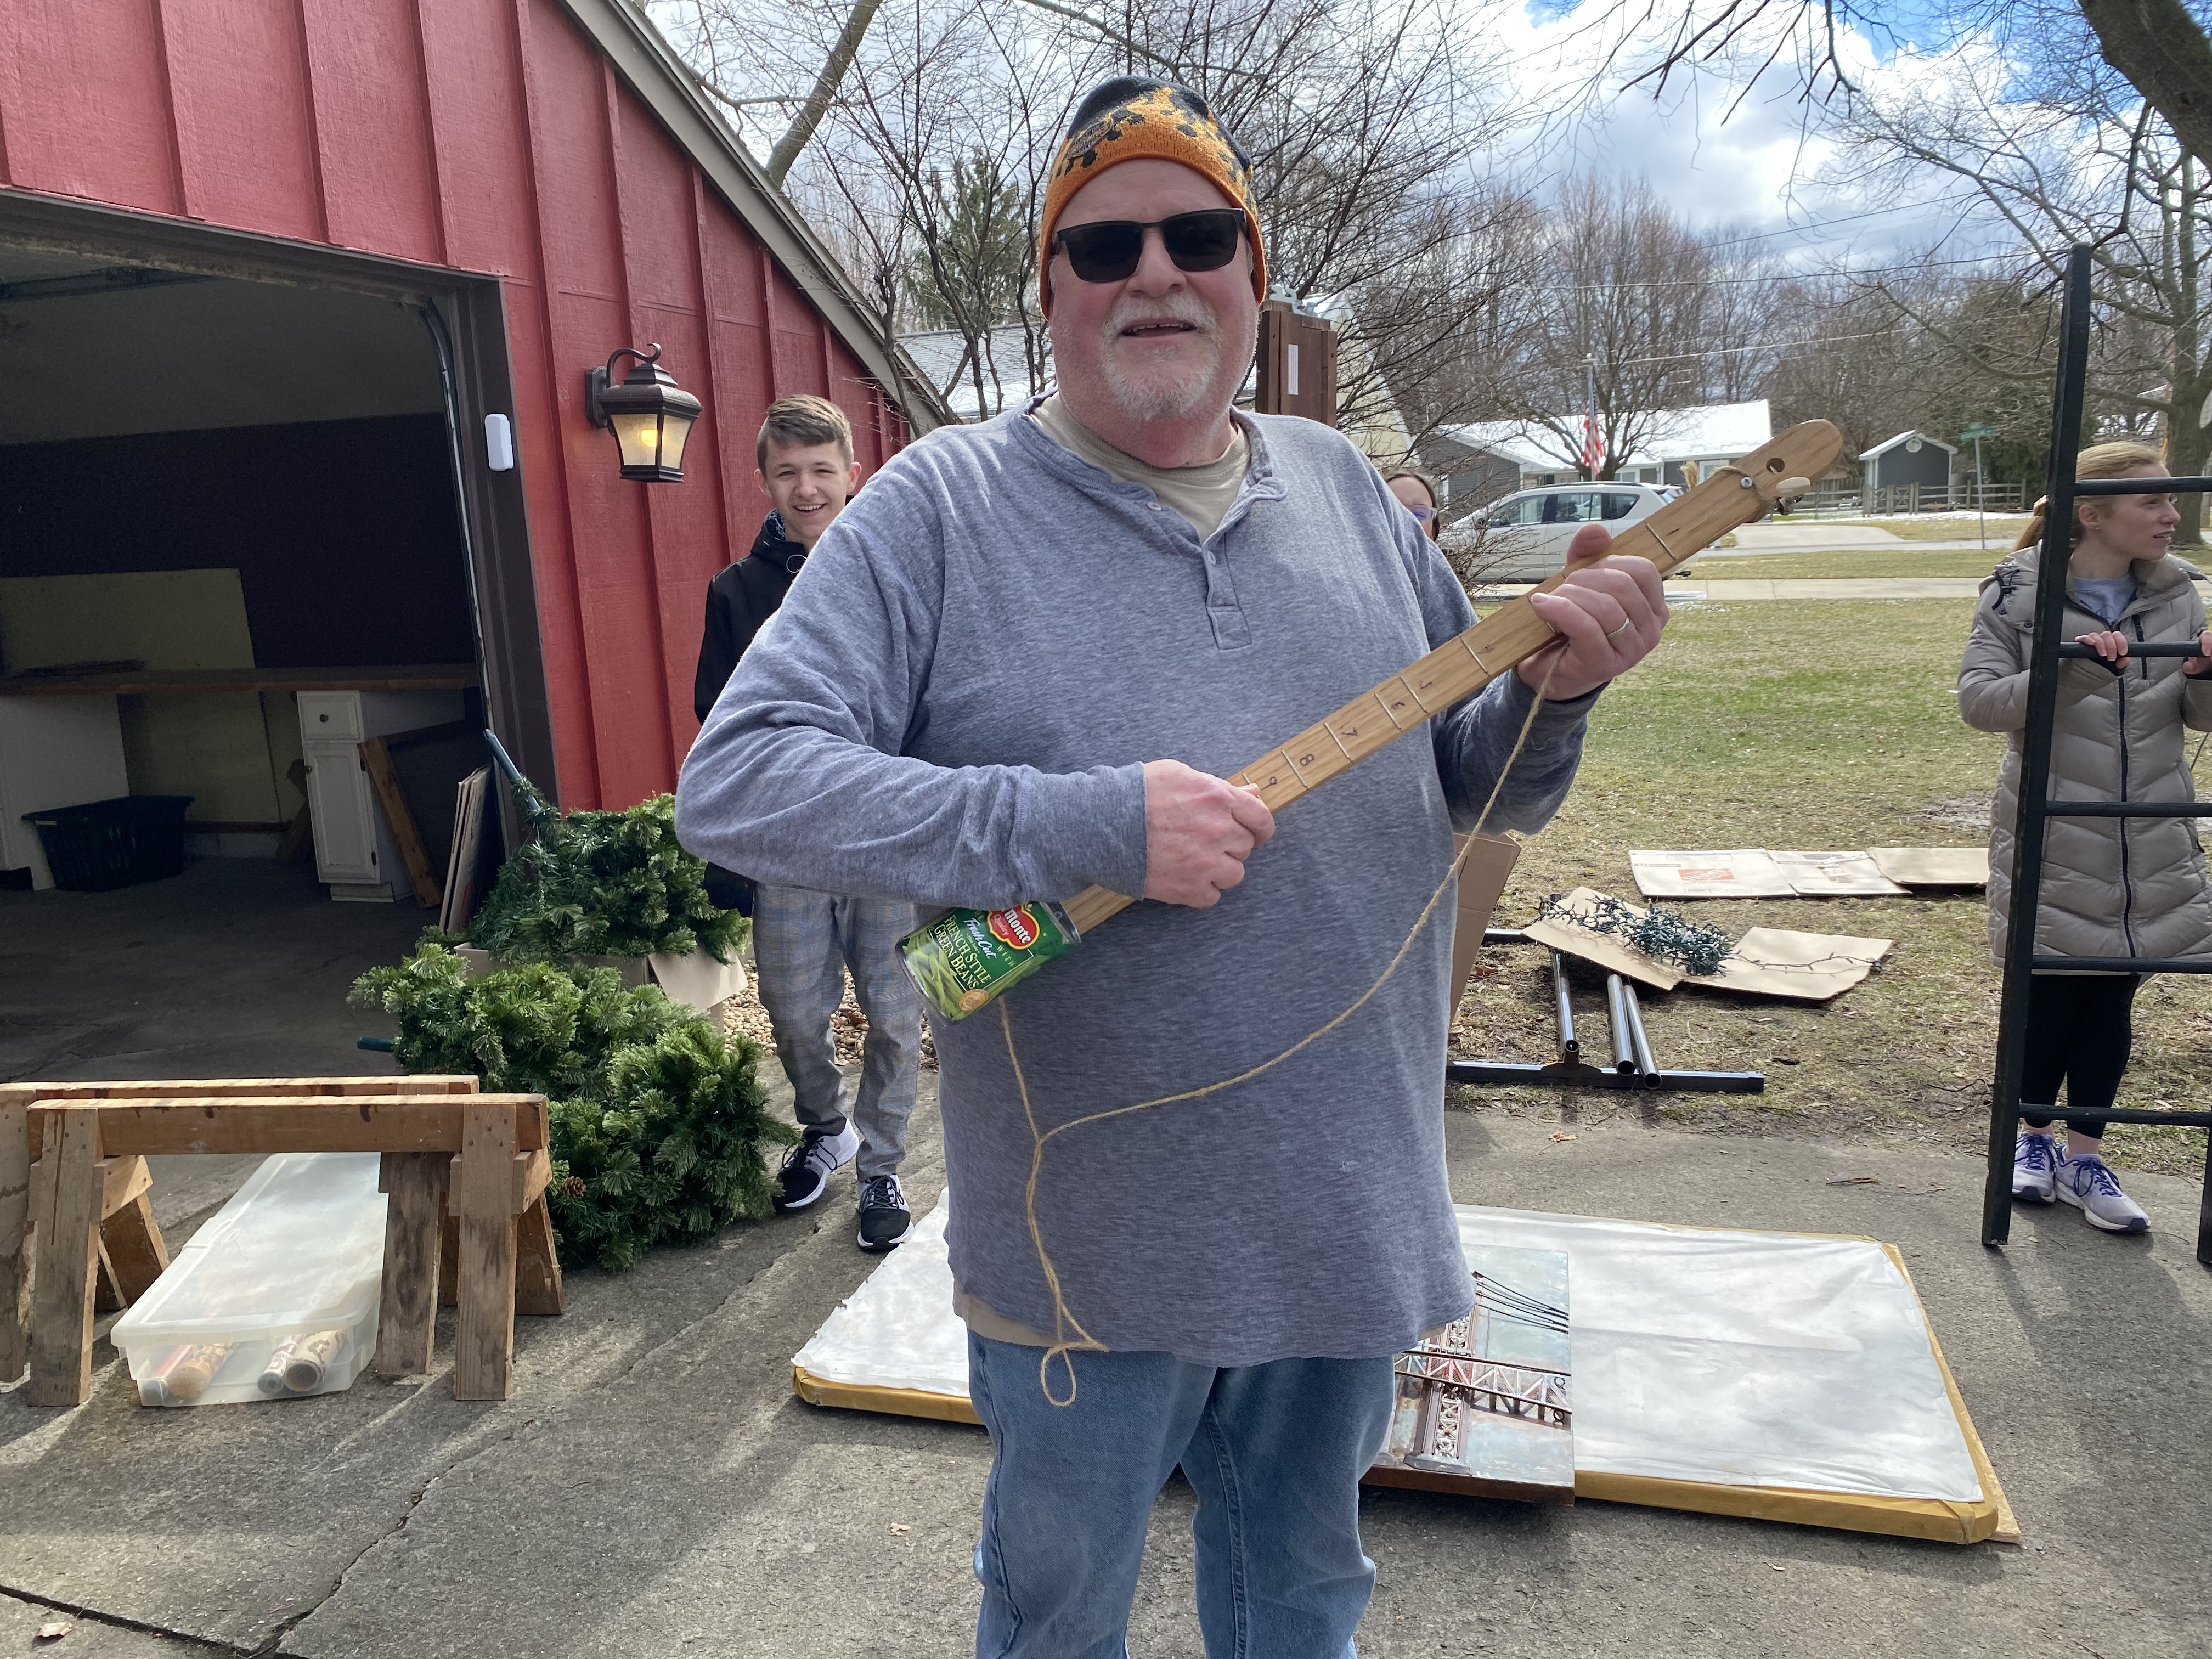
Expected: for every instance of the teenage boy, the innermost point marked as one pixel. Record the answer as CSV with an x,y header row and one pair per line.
x,y
804,940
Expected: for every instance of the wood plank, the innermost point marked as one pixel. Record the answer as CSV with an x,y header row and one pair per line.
x,y
122,1180
180,682
14,1236
322,1124
106,1297
68,1241
449,1260
482,1198
376,760
537,1288
22,1094
244,1088
133,1248
532,1170
464,855
414,1228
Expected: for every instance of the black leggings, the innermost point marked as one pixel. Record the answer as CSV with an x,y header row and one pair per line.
x,y
2079,1034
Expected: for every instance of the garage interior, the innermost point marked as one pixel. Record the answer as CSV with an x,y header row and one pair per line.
x,y
230,551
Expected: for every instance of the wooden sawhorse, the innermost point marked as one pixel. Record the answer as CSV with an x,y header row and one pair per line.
x,y
457,1164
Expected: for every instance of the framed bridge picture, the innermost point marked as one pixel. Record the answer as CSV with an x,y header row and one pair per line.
x,y
1484,1405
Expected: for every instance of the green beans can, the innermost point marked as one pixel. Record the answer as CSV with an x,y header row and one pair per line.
x,y
965,958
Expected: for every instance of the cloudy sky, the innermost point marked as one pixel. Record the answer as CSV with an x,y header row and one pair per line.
x,y
1717,154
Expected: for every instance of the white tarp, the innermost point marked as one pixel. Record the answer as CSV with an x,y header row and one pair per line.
x,y
1733,1358
1754,1359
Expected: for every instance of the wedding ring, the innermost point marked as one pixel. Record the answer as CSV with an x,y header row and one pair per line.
x,y
1618,632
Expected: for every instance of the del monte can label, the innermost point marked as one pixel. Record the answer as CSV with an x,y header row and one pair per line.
x,y
966,958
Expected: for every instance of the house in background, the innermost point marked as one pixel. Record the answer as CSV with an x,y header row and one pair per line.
x,y
1909,458
977,391
1483,460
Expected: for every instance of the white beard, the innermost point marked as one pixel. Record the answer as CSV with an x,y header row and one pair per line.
x,y
1167,394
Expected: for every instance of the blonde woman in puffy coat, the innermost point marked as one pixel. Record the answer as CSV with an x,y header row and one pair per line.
x,y
2111,887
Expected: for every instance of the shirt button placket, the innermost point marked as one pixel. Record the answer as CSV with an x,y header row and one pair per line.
x,y
1230,630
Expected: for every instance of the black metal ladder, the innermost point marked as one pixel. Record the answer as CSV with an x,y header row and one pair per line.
x,y
2037,809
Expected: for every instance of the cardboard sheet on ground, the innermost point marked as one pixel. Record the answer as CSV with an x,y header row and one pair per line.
x,y
1787,1376
1736,872
1755,872
1835,875
1768,962
1933,866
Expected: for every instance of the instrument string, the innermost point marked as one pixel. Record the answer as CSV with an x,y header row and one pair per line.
x,y
1069,1338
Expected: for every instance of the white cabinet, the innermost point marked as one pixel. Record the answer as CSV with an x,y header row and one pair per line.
x,y
54,751
355,852
342,808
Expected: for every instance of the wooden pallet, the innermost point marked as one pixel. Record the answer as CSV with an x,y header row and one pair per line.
x,y
465,1173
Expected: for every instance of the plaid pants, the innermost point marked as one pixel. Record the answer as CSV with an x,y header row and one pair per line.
x,y
803,943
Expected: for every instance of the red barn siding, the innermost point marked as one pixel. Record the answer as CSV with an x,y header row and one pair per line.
x,y
491,136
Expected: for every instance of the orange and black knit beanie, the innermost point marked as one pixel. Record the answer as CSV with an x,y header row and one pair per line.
x,y
1134,116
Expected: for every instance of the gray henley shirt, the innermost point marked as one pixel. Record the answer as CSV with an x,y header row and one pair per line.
x,y
954,706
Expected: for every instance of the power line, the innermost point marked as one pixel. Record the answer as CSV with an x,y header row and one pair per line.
x,y
1847,219
1770,277
1768,345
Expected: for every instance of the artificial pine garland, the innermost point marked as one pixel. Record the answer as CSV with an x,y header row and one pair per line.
x,y
602,884
657,1119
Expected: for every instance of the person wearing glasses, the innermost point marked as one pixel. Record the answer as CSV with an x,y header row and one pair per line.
x,y
2111,887
1022,663
1418,497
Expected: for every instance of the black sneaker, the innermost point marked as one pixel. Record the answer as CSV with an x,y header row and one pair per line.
x,y
884,1219
806,1171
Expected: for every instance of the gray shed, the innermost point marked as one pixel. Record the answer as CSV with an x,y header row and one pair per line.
x,y
1909,458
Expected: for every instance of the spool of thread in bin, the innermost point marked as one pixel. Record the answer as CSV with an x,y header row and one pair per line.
x,y
299,1363
183,1375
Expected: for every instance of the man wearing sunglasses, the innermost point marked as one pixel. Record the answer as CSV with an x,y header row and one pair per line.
x,y
1022,663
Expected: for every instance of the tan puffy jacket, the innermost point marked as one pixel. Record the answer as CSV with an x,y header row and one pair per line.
x,y
2111,887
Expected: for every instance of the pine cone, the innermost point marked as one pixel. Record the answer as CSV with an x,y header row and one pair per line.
x,y
573,1186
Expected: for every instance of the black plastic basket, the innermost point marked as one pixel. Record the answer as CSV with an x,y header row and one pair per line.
x,y
106,844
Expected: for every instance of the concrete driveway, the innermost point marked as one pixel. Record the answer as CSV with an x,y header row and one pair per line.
x,y
653,1488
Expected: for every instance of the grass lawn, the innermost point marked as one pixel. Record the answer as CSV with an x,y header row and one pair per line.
x,y
1814,726
1865,562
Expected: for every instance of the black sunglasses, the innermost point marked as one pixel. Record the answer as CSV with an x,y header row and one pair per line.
x,y
1108,250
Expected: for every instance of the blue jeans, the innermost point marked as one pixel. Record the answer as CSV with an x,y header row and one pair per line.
x,y
1275,1453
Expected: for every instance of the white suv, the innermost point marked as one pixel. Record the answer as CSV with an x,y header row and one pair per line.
x,y
1523,538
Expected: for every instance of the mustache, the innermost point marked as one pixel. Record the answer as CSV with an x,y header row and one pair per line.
x,y
1179,306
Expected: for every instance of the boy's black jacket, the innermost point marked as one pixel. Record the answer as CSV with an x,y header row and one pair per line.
x,y
738,601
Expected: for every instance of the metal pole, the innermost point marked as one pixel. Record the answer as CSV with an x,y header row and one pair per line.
x,y
1630,1006
1562,1009
1616,1019
2035,748
1591,453
1981,492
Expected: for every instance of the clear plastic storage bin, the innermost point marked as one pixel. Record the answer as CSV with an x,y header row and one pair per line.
x,y
274,1298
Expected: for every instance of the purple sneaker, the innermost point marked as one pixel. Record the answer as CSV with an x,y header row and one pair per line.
x,y
2087,1185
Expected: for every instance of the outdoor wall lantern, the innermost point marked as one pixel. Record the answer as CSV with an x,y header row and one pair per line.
x,y
651,416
